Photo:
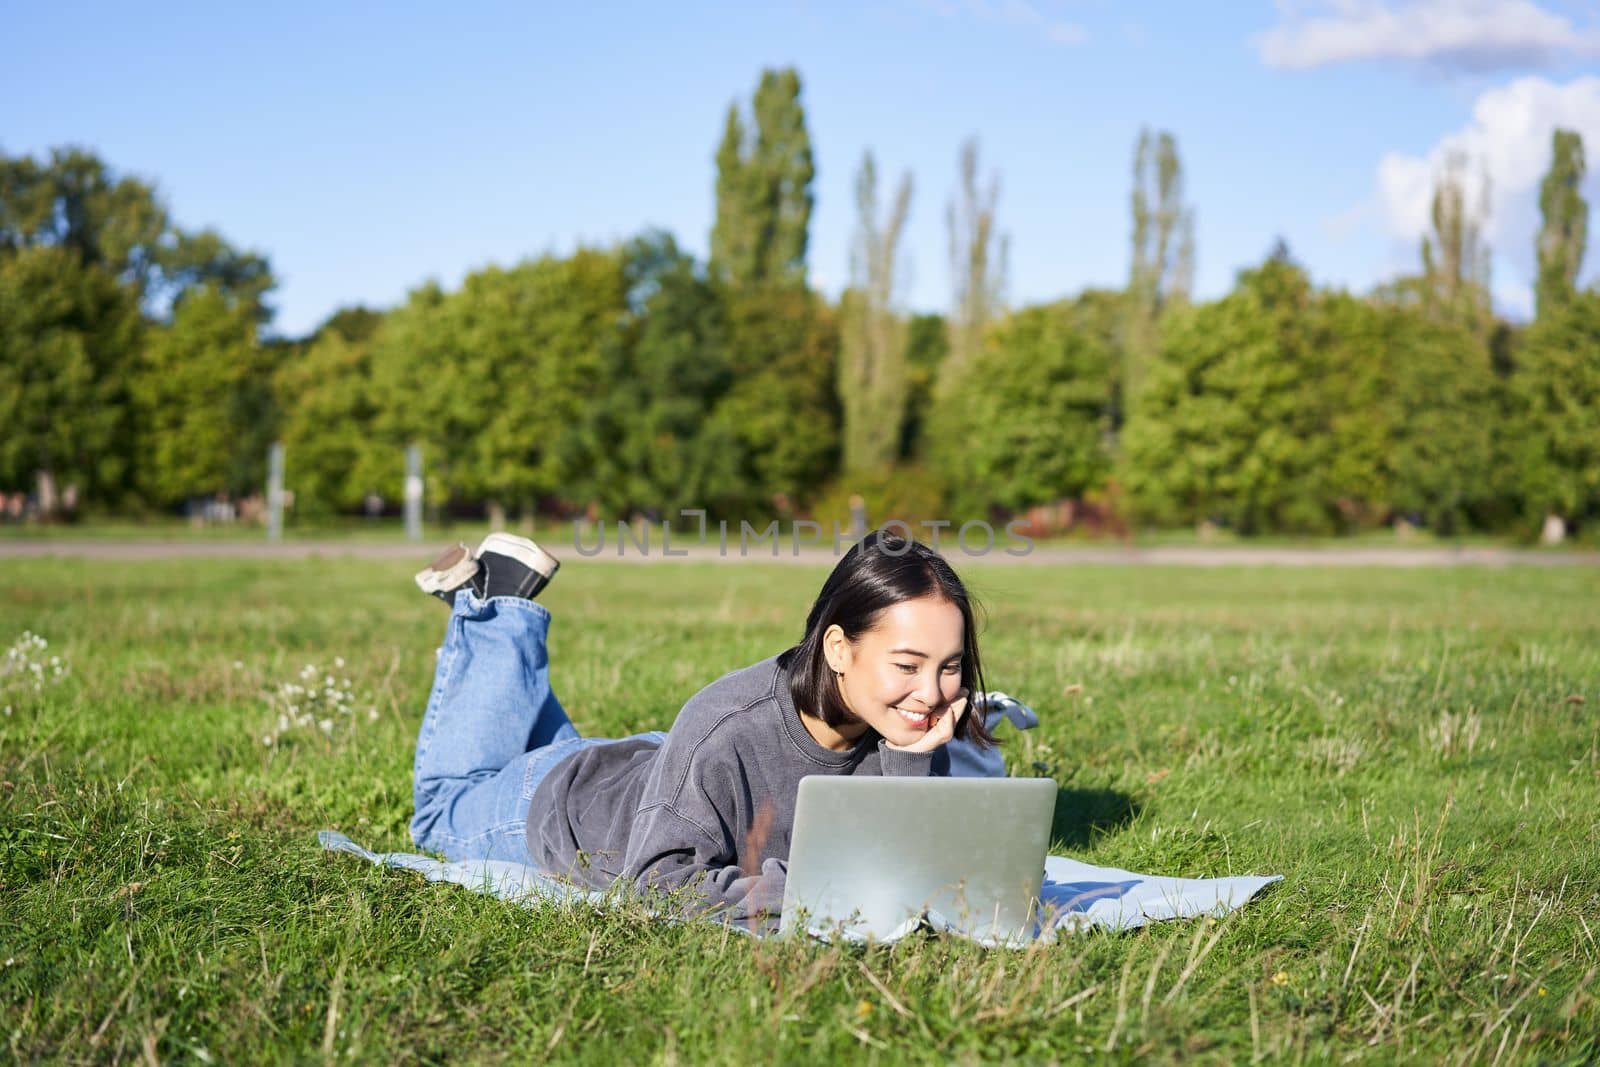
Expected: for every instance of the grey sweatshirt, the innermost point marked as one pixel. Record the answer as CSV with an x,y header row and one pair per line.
x,y
711,807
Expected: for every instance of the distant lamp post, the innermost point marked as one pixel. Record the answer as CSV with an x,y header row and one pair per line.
x,y
275,492
414,493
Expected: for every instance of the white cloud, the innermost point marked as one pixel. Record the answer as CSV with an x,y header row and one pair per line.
x,y
1472,35
1023,14
1508,140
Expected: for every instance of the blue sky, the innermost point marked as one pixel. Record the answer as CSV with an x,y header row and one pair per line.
x,y
367,148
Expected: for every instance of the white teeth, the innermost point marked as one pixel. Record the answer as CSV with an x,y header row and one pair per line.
x,y
913,717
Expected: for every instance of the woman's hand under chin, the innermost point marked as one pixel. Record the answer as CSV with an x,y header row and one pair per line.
x,y
942,730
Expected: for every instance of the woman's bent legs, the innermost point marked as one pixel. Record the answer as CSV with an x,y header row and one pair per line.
x,y
492,729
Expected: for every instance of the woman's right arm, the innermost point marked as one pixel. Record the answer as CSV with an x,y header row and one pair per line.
x,y
674,850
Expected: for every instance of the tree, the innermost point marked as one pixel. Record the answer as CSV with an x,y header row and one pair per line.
x,y
1101,316
647,444
494,379
1565,228
336,451
1358,397
1444,417
200,259
735,236
781,414
1162,264
764,196
76,202
69,336
194,384
872,363
421,391
1280,408
1558,384
1455,259
1229,425
978,255
927,345
784,162
1035,431
354,324
333,452
1411,410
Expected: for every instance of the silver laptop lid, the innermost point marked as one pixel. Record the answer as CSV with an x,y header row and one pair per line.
x,y
870,855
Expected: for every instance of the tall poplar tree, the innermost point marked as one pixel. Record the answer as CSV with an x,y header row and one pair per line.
x,y
978,254
764,196
1162,265
734,234
872,364
1455,258
1565,229
783,161
1557,381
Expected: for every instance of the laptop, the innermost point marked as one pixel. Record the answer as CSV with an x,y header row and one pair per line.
x,y
875,857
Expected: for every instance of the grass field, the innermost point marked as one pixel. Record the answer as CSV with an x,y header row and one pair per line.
x,y
1417,751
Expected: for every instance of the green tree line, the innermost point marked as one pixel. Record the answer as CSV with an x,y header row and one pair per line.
x,y
634,379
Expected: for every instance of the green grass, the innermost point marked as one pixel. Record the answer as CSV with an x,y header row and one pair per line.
x,y
1417,752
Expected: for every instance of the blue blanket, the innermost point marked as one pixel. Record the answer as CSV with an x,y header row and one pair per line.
x,y
1076,896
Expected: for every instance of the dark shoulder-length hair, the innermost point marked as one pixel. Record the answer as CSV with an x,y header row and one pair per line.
x,y
878,572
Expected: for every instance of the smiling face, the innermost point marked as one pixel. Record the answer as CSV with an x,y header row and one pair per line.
x,y
902,674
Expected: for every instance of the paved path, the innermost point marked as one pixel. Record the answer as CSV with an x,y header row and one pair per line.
x,y
1186,556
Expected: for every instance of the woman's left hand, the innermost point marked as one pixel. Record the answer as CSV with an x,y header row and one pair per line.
x,y
943,728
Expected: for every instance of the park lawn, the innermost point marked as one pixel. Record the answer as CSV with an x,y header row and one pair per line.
x,y
1416,751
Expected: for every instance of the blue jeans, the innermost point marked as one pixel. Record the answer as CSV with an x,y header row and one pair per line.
x,y
492,731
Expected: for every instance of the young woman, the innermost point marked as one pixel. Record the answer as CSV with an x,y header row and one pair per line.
x,y
878,685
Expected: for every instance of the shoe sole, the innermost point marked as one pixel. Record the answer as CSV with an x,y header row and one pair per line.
x,y
453,568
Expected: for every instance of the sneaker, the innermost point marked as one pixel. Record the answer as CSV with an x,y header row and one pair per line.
x,y
453,568
512,566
